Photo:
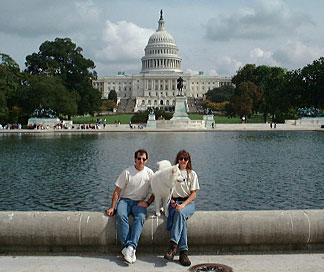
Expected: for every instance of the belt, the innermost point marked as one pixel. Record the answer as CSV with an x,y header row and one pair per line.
x,y
180,198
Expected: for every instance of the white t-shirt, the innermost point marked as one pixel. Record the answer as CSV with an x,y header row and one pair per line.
x,y
135,184
183,189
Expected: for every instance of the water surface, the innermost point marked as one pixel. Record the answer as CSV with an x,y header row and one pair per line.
x,y
237,170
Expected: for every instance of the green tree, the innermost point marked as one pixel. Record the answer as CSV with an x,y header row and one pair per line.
x,y
244,74
10,77
62,58
112,96
311,78
274,98
140,117
162,114
246,96
272,80
50,92
221,94
4,111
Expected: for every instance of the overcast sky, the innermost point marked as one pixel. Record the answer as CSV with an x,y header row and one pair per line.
x,y
214,36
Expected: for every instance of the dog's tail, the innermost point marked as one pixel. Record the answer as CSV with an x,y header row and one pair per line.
x,y
163,164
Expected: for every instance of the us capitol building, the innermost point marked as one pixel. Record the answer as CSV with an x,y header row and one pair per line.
x,y
156,85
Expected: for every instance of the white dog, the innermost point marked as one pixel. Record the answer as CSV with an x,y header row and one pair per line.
x,y
163,183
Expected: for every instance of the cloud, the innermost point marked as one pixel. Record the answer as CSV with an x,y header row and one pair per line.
x,y
212,72
36,18
291,55
191,72
124,42
262,57
227,65
296,54
264,20
221,66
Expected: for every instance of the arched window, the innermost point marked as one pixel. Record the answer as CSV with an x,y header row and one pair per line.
x,y
161,102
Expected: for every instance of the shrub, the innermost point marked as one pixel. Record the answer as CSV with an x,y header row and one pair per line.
x,y
140,117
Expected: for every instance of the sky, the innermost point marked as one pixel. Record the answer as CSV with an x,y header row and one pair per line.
x,y
214,36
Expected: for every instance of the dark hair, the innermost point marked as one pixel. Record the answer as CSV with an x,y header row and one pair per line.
x,y
141,152
184,154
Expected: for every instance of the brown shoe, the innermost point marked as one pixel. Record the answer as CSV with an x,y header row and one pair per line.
x,y
171,252
184,260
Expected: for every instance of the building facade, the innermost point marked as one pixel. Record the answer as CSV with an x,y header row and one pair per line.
x,y
156,84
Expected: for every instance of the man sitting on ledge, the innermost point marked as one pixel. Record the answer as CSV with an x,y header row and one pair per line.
x,y
132,187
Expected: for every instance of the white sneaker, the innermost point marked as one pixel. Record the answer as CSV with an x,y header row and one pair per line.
x,y
129,253
134,256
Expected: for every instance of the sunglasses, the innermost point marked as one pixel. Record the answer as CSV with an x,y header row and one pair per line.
x,y
141,159
181,159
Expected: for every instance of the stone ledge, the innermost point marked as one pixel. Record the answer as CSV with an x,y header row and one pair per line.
x,y
210,231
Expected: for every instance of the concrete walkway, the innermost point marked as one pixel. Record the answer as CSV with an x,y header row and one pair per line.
x,y
239,263
219,127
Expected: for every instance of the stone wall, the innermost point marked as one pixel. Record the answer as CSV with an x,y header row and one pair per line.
x,y
223,231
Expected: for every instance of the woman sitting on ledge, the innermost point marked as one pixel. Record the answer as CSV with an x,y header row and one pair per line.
x,y
183,207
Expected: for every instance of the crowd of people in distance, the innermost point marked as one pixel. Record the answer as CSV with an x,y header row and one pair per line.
x,y
100,124
11,126
133,126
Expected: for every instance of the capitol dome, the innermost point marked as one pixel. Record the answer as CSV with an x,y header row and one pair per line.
x,y
161,36
161,52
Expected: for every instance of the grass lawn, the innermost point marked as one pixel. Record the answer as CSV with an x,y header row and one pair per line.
x,y
125,119
225,120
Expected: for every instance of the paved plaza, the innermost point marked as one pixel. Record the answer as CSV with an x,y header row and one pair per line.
x,y
239,263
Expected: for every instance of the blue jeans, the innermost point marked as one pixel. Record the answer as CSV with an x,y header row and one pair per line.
x,y
129,236
179,226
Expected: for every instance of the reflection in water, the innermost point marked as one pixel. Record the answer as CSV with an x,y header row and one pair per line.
x,y
237,170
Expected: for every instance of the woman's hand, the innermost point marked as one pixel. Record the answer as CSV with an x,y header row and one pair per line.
x,y
179,206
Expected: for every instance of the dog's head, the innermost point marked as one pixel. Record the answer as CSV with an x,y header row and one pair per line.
x,y
176,174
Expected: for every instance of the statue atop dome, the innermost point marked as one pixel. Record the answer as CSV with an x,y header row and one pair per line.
x,y
161,22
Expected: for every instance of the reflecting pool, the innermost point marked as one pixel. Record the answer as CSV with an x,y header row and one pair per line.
x,y
237,170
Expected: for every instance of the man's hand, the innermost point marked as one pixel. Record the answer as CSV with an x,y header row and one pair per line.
x,y
142,204
110,212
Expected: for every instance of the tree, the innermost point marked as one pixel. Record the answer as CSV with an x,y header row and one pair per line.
x,y
4,111
50,92
215,106
108,105
62,58
245,74
311,78
221,94
273,98
246,96
140,117
112,96
242,105
272,80
9,83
